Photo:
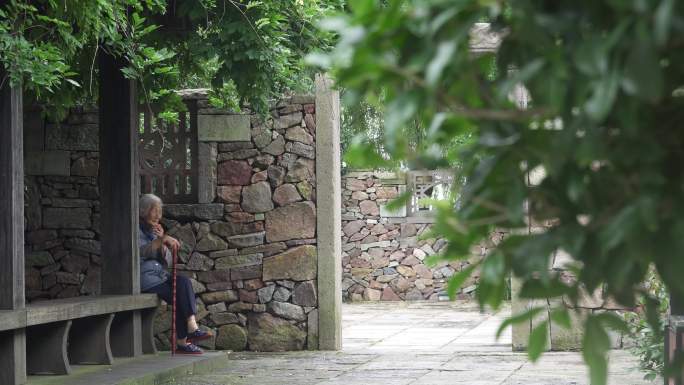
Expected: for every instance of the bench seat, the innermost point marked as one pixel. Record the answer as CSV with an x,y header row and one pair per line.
x,y
43,312
82,330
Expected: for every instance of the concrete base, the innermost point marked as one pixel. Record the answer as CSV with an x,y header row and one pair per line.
x,y
146,370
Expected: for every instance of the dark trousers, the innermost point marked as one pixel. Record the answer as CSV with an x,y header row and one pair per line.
x,y
185,301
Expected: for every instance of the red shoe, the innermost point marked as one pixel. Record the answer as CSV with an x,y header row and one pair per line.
x,y
189,348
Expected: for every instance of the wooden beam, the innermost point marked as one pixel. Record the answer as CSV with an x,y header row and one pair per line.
x,y
12,343
118,120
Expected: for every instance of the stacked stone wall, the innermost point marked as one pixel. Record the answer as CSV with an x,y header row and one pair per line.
x,y
62,238
384,252
248,243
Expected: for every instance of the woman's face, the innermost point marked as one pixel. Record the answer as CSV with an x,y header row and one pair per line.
x,y
154,215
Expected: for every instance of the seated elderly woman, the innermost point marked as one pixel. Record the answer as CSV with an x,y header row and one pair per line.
x,y
155,255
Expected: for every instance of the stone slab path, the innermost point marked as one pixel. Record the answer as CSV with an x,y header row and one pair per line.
x,y
417,344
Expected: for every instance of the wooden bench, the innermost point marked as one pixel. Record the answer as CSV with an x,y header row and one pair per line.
x,y
80,330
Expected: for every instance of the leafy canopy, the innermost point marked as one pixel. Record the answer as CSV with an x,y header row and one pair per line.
x,y
247,51
603,128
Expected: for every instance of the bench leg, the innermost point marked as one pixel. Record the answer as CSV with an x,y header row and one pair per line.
x,y
13,357
46,348
125,334
89,340
148,345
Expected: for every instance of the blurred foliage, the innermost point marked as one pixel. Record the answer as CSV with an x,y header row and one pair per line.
x,y
648,340
604,129
247,51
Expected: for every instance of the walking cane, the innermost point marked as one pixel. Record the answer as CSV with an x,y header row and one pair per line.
x,y
173,300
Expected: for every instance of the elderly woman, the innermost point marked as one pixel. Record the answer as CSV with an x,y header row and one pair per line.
x,y
155,255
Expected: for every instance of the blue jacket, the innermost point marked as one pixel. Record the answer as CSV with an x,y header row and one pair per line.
x,y
152,265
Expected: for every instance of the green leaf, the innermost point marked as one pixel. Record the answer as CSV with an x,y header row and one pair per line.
x,y
603,97
613,321
561,317
643,75
538,341
595,346
519,318
663,21
445,51
457,280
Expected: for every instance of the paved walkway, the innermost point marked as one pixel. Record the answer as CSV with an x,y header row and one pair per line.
x,y
417,344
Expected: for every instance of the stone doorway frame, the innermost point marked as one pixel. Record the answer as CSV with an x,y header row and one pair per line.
x,y
328,215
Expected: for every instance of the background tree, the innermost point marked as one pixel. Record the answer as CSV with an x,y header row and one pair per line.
x,y
604,124
247,51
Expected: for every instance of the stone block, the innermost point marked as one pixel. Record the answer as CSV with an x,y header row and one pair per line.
x,y
214,276
211,242
289,120
84,166
229,229
371,294
305,294
223,128
234,261
246,240
231,337
294,221
256,198
224,318
286,194
245,272
38,259
199,262
34,131
66,218
47,163
202,212
281,294
206,172
276,147
265,294
312,330
287,310
270,334
219,296
298,264
82,137
234,172
85,245
299,134
229,194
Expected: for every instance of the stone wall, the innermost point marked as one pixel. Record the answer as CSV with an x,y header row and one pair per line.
x,y
62,206
248,244
251,254
384,252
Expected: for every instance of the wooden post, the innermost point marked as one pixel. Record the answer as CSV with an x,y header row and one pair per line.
x,y
674,337
118,199
12,343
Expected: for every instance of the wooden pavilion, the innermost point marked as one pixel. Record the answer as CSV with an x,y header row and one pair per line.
x,y
36,338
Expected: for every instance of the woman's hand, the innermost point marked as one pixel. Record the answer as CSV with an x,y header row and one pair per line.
x,y
157,230
171,243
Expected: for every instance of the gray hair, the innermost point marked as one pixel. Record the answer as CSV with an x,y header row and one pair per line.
x,y
147,202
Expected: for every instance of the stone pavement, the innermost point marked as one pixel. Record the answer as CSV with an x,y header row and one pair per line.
x,y
418,344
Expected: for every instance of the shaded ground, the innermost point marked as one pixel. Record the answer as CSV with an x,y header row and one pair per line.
x,y
417,344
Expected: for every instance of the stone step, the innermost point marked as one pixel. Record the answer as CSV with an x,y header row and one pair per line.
x,y
145,370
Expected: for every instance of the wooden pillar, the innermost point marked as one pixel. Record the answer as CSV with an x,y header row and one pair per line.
x,y
674,337
118,199
12,343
